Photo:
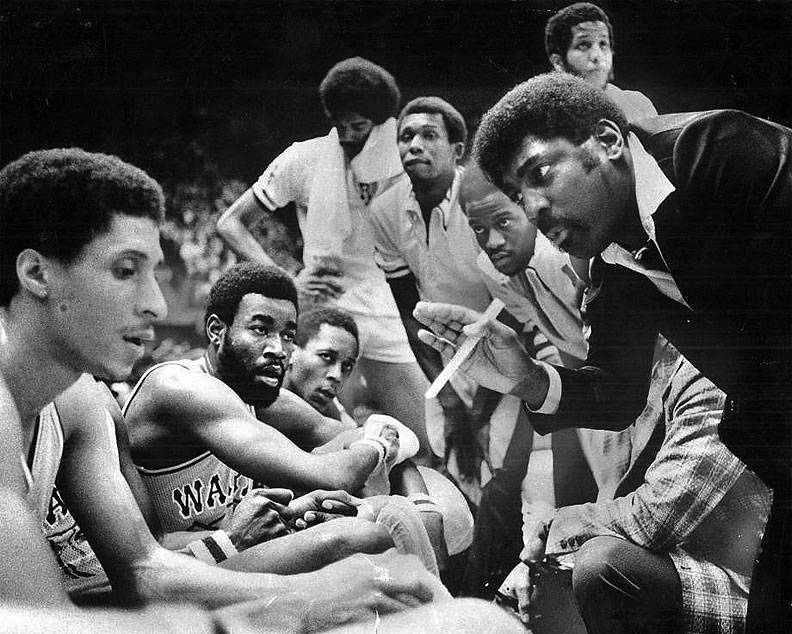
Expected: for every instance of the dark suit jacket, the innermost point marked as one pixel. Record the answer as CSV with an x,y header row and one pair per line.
x,y
726,235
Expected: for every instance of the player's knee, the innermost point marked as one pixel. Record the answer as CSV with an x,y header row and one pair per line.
x,y
352,535
597,570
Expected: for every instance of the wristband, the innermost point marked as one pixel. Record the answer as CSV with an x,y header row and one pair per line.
x,y
379,445
214,548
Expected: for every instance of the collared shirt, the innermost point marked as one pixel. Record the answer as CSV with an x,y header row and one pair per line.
x,y
651,189
442,256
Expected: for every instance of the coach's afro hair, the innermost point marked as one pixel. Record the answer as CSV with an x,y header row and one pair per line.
x,y
547,106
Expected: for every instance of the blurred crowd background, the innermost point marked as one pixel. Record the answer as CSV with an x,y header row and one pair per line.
x,y
203,95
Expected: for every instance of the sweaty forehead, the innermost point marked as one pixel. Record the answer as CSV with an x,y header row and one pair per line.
x,y
590,31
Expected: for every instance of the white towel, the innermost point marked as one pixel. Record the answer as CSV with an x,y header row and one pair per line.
x,y
328,221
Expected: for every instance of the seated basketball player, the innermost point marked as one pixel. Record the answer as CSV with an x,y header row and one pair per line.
x,y
322,362
80,243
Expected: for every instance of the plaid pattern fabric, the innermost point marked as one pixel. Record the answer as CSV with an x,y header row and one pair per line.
x,y
712,602
694,500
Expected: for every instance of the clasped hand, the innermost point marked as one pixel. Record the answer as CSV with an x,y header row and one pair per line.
x,y
265,514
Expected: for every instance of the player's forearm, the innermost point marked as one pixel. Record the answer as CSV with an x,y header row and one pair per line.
x,y
320,435
232,227
301,471
159,618
242,242
179,539
346,470
174,577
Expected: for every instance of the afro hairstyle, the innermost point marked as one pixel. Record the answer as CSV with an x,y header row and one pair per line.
x,y
548,106
244,278
358,85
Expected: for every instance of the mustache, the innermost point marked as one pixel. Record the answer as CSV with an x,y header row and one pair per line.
x,y
272,367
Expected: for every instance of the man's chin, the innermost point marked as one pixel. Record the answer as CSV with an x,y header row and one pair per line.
x,y
112,374
258,395
319,401
351,151
265,398
507,267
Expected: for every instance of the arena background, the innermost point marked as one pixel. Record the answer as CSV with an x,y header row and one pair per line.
x,y
204,94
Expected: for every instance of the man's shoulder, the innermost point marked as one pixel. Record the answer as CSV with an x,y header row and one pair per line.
x,y
179,387
301,153
309,147
691,126
80,406
702,143
633,103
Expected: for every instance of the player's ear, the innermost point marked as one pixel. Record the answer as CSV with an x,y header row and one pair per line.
x,y
558,63
459,150
215,329
610,137
34,272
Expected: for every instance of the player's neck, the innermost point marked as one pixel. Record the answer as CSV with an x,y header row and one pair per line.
x,y
29,367
430,194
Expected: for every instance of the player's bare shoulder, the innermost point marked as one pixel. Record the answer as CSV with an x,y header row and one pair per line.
x,y
81,408
173,391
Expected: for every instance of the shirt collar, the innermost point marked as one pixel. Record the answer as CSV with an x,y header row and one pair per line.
x,y
651,189
651,185
446,205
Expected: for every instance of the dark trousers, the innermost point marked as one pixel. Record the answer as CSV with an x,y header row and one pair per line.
x,y
621,587
497,533
497,537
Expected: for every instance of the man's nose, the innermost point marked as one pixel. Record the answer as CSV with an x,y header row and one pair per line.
x,y
416,144
494,239
274,346
151,301
533,203
334,371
